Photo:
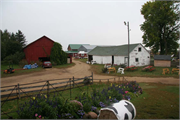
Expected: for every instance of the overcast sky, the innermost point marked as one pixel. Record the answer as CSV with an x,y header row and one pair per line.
x,y
97,22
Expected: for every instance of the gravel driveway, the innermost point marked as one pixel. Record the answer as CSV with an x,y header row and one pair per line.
x,y
80,70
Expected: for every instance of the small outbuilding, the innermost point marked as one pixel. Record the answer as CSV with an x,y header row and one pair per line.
x,y
162,60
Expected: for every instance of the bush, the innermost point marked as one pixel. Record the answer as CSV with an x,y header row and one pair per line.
x,y
56,108
22,63
104,70
15,58
122,65
86,81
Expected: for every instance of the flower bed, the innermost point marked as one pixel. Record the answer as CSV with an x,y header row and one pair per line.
x,y
57,108
131,68
148,69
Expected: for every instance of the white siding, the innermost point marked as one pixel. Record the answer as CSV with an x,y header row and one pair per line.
x,y
119,60
102,59
142,57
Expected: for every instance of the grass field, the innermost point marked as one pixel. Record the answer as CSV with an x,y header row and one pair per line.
x,y
20,72
158,101
97,68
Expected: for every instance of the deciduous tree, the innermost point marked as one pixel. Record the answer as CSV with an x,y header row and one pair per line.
x,y
161,26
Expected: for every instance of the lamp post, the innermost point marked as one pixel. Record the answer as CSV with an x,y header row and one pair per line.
x,y
128,39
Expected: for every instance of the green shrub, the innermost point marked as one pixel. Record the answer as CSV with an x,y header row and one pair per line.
x,y
15,58
22,63
86,81
104,70
56,108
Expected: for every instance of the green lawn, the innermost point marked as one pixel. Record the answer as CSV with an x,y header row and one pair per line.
x,y
158,101
97,68
20,72
82,60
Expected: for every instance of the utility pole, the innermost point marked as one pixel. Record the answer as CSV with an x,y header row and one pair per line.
x,y
128,39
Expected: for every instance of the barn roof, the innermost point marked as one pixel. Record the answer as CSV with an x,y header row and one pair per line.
x,y
76,46
112,50
162,57
71,51
37,40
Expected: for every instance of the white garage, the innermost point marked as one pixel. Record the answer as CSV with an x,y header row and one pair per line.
x,y
139,56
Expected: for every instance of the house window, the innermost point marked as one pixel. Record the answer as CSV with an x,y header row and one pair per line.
x,y
82,54
139,49
137,59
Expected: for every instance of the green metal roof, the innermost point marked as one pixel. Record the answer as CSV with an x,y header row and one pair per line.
x,y
112,50
71,51
76,46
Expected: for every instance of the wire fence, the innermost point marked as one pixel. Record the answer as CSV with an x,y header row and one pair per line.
x,y
20,91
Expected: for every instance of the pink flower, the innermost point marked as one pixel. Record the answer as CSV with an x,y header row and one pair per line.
x,y
123,95
40,116
126,92
36,114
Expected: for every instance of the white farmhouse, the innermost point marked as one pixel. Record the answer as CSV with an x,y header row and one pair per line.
x,y
139,56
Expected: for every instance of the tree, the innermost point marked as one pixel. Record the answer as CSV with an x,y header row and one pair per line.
x,y
58,56
12,46
20,38
161,26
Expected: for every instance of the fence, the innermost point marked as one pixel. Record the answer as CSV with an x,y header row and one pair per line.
x,y
19,91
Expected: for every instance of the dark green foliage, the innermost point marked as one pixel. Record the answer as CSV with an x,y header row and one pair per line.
x,y
58,56
161,26
122,65
12,46
55,108
15,58
86,80
104,70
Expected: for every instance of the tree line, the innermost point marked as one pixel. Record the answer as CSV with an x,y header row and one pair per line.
x,y
12,45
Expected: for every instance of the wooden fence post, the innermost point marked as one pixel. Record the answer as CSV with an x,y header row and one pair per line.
x,y
92,77
73,81
19,92
70,87
48,90
17,95
114,79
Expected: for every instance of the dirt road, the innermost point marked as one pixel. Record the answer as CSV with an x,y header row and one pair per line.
x,y
80,70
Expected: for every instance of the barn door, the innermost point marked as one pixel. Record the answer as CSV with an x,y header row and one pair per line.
x,y
112,60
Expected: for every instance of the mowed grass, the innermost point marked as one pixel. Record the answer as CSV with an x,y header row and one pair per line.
x,y
82,60
158,101
26,71
97,68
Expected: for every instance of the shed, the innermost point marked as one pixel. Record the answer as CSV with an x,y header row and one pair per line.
x,y
139,56
162,60
39,49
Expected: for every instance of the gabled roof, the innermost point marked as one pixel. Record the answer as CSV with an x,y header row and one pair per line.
x,y
76,46
89,46
71,51
37,40
162,57
121,50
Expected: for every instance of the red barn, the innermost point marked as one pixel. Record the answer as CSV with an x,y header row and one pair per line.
x,y
39,49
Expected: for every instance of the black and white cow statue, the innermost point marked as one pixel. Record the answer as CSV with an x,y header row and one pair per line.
x,y
123,110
